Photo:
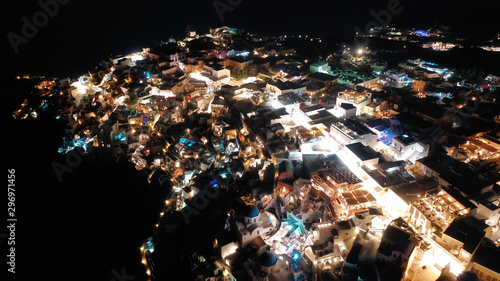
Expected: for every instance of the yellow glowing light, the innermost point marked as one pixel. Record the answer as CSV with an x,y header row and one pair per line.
x,y
82,89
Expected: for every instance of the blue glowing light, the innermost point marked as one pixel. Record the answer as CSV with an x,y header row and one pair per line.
x,y
243,54
214,183
82,143
149,245
295,256
187,142
121,137
387,136
422,33
147,74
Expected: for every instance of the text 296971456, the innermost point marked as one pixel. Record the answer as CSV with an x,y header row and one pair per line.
x,y
11,219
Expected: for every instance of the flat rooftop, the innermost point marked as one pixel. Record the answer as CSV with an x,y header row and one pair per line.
x,y
362,151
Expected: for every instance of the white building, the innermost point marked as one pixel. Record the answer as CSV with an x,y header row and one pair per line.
x,y
358,99
405,147
254,224
361,154
352,131
218,71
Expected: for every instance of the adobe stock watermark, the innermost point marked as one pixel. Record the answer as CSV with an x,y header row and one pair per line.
x,y
380,18
466,111
222,6
121,276
73,159
40,19
200,202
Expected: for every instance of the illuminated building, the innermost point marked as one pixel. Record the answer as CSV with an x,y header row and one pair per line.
x,y
399,197
279,88
437,208
427,73
122,62
295,232
375,84
358,199
254,224
238,62
168,51
439,46
493,77
487,207
268,74
346,110
313,163
251,92
218,107
361,154
323,80
357,99
321,67
351,131
168,68
270,266
422,33
372,220
309,116
477,148
462,237
328,249
397,78
490,48
453,173
218,71
419,85
407,148
388,174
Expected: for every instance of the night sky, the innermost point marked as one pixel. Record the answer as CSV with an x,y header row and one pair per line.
x,y
82,33
94,221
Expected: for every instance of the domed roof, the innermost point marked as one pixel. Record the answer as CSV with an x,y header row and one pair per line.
x,y
251,211
267,259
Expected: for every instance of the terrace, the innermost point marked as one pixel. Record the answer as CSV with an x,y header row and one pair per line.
x,y
358,199
354,96
441,208
477,149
